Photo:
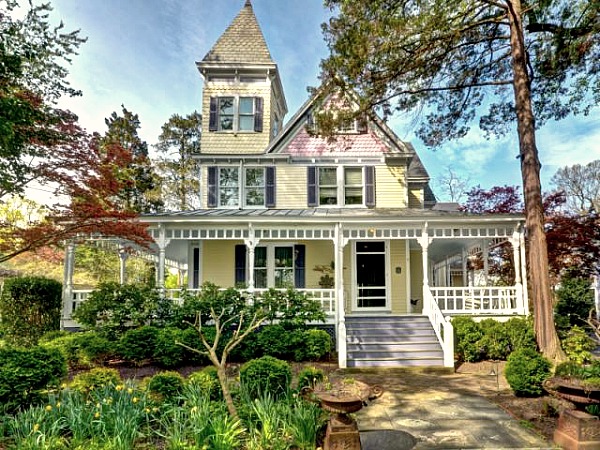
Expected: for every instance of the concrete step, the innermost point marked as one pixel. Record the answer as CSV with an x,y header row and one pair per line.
x,y
361,338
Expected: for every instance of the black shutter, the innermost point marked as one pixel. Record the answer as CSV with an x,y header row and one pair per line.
x,y
312,186
212,186
299,266
270,187
213,116
240,265
258,114
370,186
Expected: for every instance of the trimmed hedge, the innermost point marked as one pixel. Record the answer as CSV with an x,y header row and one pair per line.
x,y
29,308
25,373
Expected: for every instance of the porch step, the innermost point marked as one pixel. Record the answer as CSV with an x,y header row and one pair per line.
x,y
392,341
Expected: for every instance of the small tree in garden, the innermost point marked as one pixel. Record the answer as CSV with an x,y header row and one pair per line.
x,y
29,307
233,316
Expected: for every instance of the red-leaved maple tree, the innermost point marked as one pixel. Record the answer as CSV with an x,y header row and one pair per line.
x,y
573,239
86,178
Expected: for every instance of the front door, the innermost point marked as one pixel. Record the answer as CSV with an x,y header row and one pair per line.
x,y
370,276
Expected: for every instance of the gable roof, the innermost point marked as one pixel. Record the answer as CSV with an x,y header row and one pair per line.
x,y
242,41
379,140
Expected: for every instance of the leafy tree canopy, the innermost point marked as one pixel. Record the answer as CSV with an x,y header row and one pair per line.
x,y
452,60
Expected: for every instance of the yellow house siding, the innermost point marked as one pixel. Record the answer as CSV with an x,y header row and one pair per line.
x,y
291,189
390,185
218,262
398,280
416,277
232,142
415,198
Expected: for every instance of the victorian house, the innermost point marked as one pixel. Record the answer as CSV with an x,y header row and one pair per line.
x,y
352,221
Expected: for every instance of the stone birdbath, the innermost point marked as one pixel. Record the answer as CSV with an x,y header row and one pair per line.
x,y
340,399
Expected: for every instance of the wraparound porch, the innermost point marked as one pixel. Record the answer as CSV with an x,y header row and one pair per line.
x,y
384,268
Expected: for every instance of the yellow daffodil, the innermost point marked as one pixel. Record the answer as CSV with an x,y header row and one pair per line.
x,y
48,408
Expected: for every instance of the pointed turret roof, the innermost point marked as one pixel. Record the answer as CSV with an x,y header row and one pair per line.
x,y
242,42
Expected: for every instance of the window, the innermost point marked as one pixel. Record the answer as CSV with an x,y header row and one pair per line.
x,y
275,265
236,114
226,113
342,186
235,187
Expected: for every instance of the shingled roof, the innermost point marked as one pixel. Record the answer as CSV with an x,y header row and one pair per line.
x,y
242,41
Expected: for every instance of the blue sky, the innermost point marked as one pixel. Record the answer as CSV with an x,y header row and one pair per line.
x,y
142,53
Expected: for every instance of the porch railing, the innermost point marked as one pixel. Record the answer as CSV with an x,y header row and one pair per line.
x,y
443,329
326,297
476,300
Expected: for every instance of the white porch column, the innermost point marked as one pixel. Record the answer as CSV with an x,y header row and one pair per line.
x,y
162,246
524,271
69,264
515,241
424,242
486,263
123,255
340,314
251,244
465,267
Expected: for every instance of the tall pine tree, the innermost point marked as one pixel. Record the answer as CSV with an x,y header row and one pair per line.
x,y
499,62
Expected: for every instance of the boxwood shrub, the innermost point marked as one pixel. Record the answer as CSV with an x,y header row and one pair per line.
x,y
24,373
266,374
525,372
139,344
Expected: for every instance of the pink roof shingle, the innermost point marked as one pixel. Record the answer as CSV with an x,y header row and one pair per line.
x,y
305,145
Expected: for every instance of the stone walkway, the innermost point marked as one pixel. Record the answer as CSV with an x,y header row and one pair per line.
x,y
434,411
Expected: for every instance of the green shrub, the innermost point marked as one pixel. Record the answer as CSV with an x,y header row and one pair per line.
x,y
25,373
520,333
578,345
467,336
96,378
569,369
166,385
495,342
167,353
29,308
114,308
266,375
313,345
309,377
525,372
575,299
275,341
139,344
207,380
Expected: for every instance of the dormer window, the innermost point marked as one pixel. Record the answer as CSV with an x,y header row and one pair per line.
x,y
243,114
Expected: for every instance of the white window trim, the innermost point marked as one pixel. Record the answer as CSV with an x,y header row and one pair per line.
x,y
241,199
341,187
270,246
236,113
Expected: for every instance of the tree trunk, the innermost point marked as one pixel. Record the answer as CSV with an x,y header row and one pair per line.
x,y
226,392
543,315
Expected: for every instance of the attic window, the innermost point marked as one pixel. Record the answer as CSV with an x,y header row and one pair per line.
x,y
356,126
222,78
252,79
236,114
